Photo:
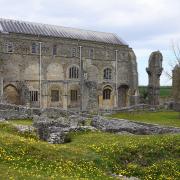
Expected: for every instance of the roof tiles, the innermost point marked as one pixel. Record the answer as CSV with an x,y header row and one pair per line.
x,y
22,27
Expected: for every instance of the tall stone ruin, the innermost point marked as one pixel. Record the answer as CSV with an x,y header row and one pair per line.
x,y
154,72
176,87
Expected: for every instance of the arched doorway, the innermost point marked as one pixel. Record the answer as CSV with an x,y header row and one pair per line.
x,y
107,98
123,95
11,95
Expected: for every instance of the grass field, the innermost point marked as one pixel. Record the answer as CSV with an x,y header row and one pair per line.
x,y
162,118
21,122
165,91
90,155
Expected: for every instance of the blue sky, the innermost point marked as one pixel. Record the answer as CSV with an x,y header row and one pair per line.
x,y
146,25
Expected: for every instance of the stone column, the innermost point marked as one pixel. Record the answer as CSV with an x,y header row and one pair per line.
x,y
154,72
176,87
44,95
65,96
100,101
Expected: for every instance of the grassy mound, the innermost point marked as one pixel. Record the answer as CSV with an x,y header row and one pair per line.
x,y
88,156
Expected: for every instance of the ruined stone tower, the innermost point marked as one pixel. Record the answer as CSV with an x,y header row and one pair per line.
x,y
154,72
176,83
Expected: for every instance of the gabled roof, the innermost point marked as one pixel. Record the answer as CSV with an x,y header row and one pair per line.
x,y
23,27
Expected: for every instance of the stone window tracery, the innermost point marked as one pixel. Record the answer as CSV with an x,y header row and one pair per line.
x,y
54,50
74,72
74,52
107,73
33,48
33,96
107,94
10,47
74,95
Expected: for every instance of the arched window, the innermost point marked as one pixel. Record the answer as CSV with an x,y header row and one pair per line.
x,y
54,50
107,94
33,48
74,72
107,73
10,47
74,52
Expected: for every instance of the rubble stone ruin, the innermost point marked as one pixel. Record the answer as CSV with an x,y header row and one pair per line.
x,y
154,72
176,87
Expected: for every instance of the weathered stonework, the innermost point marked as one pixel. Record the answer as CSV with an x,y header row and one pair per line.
x,y
176,83
123,125
154,72
176,87
20,72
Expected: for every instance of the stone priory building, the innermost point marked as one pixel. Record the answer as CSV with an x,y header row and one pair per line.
x,y
52,66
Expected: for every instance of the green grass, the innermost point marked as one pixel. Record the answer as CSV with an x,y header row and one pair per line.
x,y
165,91
90,155
21,122
162,118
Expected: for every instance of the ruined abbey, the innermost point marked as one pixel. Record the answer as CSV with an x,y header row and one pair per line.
x,y
52,66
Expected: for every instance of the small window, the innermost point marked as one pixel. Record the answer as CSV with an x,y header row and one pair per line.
x,y
107,73
73,52
55,50
123,54
33,96
74,95
91,53
54,95
115,54
74,72
107,94
33,48
10,47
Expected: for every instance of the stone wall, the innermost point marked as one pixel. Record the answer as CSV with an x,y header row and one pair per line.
x,y
23,66
126,126
176,83
9,111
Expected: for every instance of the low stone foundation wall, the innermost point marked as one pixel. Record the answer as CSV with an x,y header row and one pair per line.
x,y
55,129
176,106
138,107
126,126
9,111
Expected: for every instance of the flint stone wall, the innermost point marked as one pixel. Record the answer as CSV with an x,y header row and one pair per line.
x,y
55,130
9,111
121,125
176,106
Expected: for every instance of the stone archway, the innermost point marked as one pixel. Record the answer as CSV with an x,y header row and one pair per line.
x,y
123,95
107,97
11,94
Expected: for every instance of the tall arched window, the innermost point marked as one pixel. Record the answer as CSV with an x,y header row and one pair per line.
x,y
107,94
54,50
107,73
74,72
33,48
